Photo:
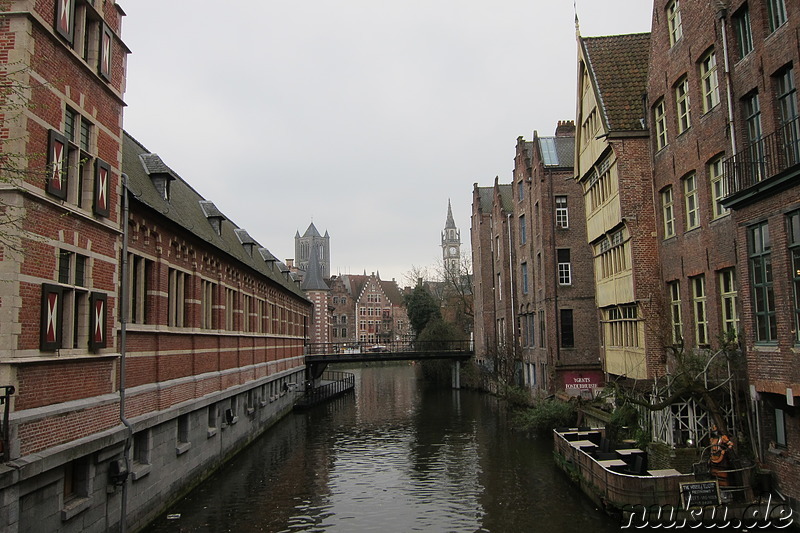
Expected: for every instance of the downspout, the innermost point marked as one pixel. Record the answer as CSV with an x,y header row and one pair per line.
x,y
511,295
122,349
729,96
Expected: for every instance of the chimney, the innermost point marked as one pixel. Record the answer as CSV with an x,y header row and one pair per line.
x,y
566,128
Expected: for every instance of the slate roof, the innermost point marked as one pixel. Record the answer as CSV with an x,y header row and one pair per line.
x,y
189,210
562,154
312,281
618,66
485,196
506,196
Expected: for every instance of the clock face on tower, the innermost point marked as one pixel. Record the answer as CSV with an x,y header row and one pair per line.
x,y
452,250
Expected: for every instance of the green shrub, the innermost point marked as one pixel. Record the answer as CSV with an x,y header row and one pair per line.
x,y
545,416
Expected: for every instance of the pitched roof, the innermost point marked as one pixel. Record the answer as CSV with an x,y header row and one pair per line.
x,y
189,210
618,66
557,151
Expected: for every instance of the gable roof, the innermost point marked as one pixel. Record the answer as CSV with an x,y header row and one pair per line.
x,y
618,66
189,210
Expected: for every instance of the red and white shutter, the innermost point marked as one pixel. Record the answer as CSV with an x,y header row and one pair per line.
x,y
57,165
65,19
106,41
102,178
51,317
97,321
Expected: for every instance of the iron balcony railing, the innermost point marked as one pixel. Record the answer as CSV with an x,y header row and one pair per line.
x,y
765,158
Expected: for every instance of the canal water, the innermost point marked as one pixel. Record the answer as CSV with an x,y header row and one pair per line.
x,y
396,456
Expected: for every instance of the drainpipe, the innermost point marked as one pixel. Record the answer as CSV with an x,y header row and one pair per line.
x,y
731,126
511,292
122,340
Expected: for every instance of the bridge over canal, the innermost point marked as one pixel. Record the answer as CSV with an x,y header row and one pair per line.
x,y
319,355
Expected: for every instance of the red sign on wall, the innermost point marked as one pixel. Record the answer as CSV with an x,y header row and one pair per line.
x,y
574,382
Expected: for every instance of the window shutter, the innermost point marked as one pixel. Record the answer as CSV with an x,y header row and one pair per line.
x,y
51,317
97,321
65,19
56,165
102,173
106,41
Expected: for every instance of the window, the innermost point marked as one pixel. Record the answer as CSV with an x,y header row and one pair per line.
x,y
182,441
141,452
562,212
674,22
77,487
599,185
66,321
622,327
139,272
523,233
709,81
700,316
71,162
727,291
660,120
682,103
230,303
776,14
612,255
564,267
780,428
542,329
212,420
176,298
760,260
719,187
208,295
674,289
744,36
520,190
793,230
499,287
247,309
690,195
567,330
787,107
668,208
755,149
524,278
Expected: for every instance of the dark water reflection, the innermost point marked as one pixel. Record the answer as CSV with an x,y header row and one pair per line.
x,y
395,457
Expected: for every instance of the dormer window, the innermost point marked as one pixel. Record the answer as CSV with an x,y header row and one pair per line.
x,y
248,243
214,215
160,174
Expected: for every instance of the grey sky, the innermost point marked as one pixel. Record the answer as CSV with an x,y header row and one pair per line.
x,y
363,115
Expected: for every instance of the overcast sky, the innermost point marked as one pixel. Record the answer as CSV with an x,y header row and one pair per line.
x,y
363,116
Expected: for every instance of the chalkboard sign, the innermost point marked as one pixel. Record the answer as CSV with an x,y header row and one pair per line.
x,y
699,493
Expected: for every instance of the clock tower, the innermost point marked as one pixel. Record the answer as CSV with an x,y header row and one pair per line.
x,y
451,242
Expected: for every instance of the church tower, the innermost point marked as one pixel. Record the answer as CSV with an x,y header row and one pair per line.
x,y
312,239
451,242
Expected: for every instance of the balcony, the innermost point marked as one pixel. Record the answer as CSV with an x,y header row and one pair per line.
x,y
766,167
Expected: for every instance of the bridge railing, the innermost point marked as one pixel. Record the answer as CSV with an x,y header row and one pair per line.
x,y
407,346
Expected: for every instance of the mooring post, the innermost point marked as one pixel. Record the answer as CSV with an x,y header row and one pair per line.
x,y
456,376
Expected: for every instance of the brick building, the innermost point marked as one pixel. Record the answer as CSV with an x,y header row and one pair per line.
x,y
762,177
493,260
556,317
216,327
613,167
367,310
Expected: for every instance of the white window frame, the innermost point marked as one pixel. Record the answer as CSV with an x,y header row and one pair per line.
x,y
709,81
691,201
